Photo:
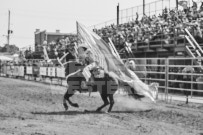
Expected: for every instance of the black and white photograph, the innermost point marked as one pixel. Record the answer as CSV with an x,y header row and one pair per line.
x,y
101,67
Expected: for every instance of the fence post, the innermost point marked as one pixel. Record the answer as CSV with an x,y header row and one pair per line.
x,y
167,78
192,79
118,14
146,69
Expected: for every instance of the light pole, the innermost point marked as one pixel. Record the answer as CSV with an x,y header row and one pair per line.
x,y
9,31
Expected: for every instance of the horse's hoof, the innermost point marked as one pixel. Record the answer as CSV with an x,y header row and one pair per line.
x,y
65,106
75,105
86,111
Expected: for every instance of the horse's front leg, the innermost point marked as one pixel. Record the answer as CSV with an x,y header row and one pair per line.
x,y
71,103
65,104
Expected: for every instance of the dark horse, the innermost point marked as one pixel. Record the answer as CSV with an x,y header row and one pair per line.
x,y
105,85
96,84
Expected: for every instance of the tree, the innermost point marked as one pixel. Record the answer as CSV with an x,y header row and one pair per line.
x,y
9,48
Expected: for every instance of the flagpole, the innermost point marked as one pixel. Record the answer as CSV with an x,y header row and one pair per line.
x,y
77,31
76,46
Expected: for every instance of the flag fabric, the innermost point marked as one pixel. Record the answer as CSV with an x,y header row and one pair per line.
x,y
46,57
111,64
183,3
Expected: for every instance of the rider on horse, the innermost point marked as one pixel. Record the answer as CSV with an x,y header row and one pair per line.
x,y
87,58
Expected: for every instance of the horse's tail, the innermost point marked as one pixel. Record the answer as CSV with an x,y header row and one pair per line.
x,y
136,95
152,91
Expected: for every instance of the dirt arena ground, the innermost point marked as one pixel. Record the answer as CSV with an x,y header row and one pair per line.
x,y
31,108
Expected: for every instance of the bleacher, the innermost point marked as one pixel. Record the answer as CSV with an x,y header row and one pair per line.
x,y
160,35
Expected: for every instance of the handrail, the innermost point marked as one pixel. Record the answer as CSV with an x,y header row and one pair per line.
x,y
194,40
188,49
190,42
113,48
197,51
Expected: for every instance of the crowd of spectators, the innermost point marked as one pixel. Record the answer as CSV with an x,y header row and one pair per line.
x,y
165,28
60,44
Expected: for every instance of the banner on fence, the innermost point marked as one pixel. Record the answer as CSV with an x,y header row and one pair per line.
x,y
21,71
29,70
12,69
35,70
52,71
16,70
8,71
60,72
4,70
43,71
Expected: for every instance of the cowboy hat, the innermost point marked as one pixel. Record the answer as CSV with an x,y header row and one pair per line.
x,y
83,45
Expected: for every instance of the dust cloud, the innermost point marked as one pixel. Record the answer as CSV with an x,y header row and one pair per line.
x,y
130,104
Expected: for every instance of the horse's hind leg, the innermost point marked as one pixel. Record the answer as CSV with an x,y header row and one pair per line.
x,y
111,99
65,104
66,97
105,100
70,102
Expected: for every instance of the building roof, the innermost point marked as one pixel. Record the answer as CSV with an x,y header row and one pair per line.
x,y
56,33
53,33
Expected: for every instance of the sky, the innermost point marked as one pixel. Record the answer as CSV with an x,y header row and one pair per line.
x,y
51,15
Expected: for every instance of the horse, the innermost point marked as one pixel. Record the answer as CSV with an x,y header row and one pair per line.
x,y
76,81
105,85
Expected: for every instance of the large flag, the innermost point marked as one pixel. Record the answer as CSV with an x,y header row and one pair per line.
x,y
111,64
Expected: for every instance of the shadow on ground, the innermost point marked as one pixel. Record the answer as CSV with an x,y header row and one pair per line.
x,y
83,112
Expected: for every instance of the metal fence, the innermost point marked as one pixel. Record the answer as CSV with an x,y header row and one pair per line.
x,y
175,76
129,14
34,73
152,8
